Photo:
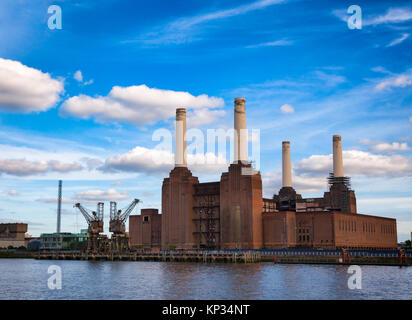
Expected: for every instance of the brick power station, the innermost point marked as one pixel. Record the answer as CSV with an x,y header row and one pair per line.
x,y
232,214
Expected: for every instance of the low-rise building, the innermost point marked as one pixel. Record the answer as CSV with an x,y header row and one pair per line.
x,y
145,229
12,235
63,241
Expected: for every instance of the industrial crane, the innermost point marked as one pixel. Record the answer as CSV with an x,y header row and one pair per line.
x,y
96,242
120,240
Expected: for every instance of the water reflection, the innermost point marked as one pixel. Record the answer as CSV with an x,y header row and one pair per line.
x,y
27,279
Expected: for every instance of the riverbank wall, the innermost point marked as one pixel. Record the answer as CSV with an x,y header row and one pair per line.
x,y
276,257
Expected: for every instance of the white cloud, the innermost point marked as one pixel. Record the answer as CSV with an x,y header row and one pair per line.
x,y
13,193
357,162
101,195
390,147
203,116
59,166
141,159
53,160
393,15
54,200
394,202
92,163
398,40
272,182
410,120
160,162
243,9
182,29
380,69
330,80
138,105
404,228
24,89
277,43
287,108
23,167
78,76
379,146
398,81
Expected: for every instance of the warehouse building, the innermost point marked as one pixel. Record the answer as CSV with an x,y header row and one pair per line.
x,y
13,235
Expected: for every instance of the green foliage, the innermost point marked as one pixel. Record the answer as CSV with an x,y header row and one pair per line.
x,y
172,247
408,243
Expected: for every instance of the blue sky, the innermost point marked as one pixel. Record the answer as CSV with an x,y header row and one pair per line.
x,y
81,104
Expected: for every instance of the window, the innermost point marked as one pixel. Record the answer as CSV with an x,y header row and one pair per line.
x,y
146,219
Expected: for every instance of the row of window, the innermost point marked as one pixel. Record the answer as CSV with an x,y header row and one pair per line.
x,y
303,238
368,227
346,225
387,229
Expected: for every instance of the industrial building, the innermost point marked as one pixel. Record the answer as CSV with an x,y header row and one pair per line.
x,y
146,229
232,214
64,240
13,235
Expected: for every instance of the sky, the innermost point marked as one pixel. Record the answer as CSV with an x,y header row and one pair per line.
x,y
87,102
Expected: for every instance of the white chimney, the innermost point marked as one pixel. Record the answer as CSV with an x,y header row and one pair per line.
x,y
337,156
180,148
240,141
286,165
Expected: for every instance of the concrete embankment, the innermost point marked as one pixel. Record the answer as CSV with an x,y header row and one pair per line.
x,y
246,257
17,254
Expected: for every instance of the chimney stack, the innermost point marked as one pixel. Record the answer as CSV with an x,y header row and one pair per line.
x,y
240,139
286,165
59,207
180,147
337,156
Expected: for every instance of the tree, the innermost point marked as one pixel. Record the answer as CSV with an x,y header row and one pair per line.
x,y
408,243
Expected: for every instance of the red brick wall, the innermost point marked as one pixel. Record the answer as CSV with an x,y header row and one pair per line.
x,y
279,229
364,231
146,234
240,209
177,209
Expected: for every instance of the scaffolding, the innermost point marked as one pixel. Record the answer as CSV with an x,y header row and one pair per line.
x,y
206,219
339,192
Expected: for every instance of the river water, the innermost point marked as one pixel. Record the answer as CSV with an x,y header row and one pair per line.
x,y
28,279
